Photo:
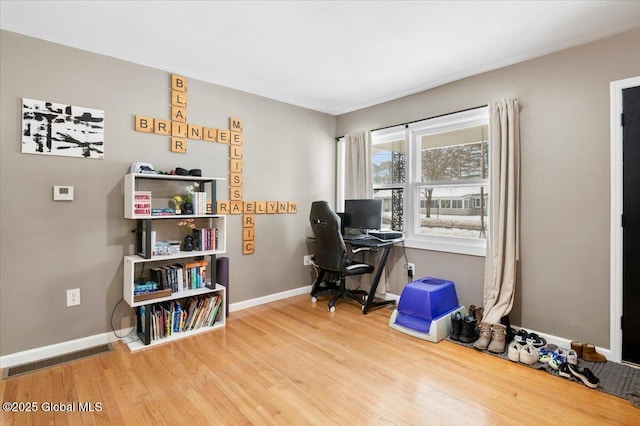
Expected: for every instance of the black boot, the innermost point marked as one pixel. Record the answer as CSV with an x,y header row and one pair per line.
x,y
456,326
469,333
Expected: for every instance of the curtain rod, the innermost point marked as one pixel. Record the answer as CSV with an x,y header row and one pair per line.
x,y
422,119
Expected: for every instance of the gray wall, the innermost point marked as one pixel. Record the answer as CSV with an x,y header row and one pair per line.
x,y
563,285
48,247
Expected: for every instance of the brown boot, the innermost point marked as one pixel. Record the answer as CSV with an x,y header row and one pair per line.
x,y
479,314
472,312
498,338
485,337
577,346
589,354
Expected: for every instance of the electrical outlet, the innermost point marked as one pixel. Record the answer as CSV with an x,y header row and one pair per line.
x,y
73,297
411,270
308,260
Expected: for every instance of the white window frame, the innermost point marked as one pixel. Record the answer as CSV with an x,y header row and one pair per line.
x,y
414,239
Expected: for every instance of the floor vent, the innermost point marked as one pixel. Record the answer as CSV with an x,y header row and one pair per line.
x,y
50,362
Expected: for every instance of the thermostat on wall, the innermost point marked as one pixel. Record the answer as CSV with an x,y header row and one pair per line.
x,y
62,193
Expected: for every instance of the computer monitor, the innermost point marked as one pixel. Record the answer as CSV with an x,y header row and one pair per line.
x,y
363,214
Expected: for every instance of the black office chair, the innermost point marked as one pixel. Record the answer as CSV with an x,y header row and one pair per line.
x,y
332,258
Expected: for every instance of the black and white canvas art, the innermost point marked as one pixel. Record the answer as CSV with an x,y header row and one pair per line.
x,y
59,129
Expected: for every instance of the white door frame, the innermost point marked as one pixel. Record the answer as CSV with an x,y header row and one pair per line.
x,y
615,298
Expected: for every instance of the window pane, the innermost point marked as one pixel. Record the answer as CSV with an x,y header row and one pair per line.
x,y
441,212
389,162
456,155
392,212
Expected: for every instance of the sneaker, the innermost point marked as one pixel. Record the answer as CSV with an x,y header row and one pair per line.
x,y
529,355
514,351
572,357
556,360
521,336
584,375
564,371
535,340
544,355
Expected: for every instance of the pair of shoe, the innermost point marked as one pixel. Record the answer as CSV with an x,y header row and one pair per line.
x,y
492,338
587,352
553,358
463,328
526,354
585,375
525,338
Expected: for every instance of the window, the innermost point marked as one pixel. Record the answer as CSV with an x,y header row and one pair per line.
x,y
433,178
389,170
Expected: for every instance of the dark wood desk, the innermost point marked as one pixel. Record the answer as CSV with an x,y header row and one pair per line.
x,y
385,245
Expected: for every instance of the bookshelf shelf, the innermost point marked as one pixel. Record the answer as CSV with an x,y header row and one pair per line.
x,y
187,274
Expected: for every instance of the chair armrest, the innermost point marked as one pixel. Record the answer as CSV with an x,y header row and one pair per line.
x,y
359,249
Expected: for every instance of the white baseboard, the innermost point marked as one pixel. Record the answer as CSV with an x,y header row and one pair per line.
x,y
45,352
238,306
61,348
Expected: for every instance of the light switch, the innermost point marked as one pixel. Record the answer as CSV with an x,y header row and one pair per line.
x,y
62,193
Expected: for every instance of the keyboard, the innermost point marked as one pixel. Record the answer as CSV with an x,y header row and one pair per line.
x,y
353,237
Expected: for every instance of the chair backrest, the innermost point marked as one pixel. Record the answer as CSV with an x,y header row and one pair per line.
x,y
330,247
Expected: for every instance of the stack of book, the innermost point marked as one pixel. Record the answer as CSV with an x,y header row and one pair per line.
x,y
201,205
205,239
172,317
180,276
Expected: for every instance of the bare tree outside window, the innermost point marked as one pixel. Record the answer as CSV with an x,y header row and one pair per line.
x,y
453,173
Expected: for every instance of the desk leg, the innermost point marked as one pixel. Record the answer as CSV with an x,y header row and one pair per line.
x,y
374,285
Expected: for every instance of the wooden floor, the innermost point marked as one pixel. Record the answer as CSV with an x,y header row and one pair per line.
x,y
292,362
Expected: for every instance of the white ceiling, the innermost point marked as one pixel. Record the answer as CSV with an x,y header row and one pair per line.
x,y
329,56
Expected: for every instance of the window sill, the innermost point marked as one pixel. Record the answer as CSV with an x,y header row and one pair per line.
x,y
458,247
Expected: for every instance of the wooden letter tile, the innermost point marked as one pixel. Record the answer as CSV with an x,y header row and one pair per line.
x,y
209,134
236,207
179,145
178,129
179,98
179,114
236,138
235,124
283,207
144,124
236,179
272,207
235,193
249,207
162,127
293,207
236,151
178,83
224,207
248,247
235,166
248,220
261,207
248,234
194,132
223,136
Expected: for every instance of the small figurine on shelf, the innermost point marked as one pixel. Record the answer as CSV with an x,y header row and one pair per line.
x,y
188,225
177,200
